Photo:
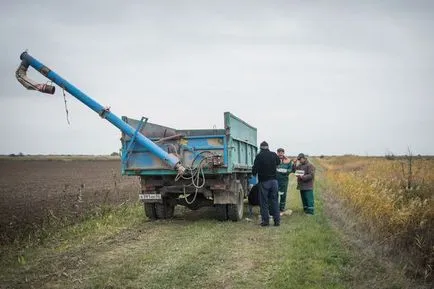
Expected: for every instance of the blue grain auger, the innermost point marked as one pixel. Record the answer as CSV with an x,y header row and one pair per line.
x,y
193,168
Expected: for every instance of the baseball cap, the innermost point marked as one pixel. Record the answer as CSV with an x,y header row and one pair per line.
x,y
301,156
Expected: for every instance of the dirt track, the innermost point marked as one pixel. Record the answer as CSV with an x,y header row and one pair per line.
x,y
31,190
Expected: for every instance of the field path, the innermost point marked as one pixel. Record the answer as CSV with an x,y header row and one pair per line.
x,y
122,249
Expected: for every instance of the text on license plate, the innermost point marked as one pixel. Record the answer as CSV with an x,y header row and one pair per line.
x,y
150,196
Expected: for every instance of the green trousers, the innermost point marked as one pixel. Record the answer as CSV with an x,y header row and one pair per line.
x,y
283,190
308,202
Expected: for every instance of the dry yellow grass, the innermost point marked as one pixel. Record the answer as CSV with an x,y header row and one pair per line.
x,y
393,204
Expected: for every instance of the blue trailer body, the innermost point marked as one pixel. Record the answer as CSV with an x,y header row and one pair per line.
x,y
236,144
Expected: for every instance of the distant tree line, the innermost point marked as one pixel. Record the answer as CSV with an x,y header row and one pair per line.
x,y
20,154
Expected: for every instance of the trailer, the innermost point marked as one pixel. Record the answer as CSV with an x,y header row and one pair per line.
x,y
189,167
218,162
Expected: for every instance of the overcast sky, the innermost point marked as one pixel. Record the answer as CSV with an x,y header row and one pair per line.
x,y
319,77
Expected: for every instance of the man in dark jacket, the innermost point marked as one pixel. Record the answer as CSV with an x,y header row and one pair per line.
x,y
264,166
305,173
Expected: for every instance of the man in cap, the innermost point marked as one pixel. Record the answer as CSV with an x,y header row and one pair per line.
x,y
283,171
264,166
305,173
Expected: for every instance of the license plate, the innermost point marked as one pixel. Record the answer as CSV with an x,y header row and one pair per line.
x,y
150,196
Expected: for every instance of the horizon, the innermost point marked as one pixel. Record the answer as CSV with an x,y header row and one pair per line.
x,y
118,155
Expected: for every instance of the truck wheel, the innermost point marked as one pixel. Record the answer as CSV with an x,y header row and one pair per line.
x,y
164,210
222,212
150,211
235,211
170,211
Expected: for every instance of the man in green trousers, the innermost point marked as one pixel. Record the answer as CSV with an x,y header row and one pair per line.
x,y
283,171
305,173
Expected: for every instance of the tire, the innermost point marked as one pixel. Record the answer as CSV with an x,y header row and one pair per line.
x,y
164,210
222,212
150,211
170,211
235,211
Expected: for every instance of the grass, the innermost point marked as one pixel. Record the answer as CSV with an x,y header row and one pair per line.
x,y
121,249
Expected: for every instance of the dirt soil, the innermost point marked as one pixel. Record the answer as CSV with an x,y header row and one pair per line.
x,y
32,190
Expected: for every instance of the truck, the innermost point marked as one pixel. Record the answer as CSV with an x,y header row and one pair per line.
x,y
194,168
218,161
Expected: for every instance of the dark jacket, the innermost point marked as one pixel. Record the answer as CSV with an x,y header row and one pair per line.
x,y
265,165
254,196
306,181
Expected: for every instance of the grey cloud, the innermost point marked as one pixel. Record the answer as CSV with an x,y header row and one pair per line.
x,y
317,76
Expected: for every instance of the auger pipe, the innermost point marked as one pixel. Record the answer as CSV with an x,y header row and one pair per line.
x,y
171,160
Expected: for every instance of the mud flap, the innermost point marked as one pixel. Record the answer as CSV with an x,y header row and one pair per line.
x,y
225,197
230,196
